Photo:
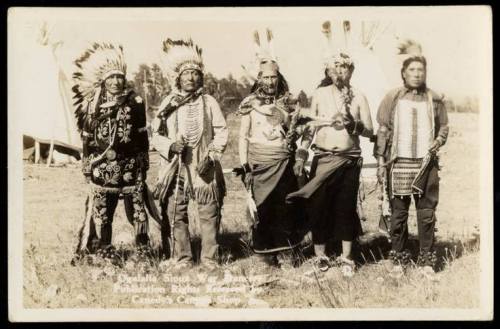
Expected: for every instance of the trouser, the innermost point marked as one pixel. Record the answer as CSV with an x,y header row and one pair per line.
x,y
332,207
209,222
426,219
104,206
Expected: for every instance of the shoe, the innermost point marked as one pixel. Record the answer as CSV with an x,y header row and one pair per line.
x,y
341,260
183,265
209,266
347,271
347,266
285,261
322,263
396,272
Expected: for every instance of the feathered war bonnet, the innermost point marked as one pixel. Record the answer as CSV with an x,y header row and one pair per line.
x,y
265,58
180,55
93,67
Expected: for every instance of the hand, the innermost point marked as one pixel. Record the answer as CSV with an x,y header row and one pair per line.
x,y
204,166
298,167
353,127
247,176
178,147
381,173
349,122
436,144
215,155
248,180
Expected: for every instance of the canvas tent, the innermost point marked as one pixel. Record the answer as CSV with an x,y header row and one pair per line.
x,y
45,106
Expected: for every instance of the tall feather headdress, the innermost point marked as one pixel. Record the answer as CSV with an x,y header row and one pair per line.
x,y
96,64
331,55
180,55
265,57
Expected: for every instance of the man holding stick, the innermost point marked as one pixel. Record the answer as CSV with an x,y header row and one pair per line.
x,y
190,133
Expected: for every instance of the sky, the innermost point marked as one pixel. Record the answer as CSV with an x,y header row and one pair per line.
x,y
454,39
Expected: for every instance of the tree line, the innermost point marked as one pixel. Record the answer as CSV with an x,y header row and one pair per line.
x,y
151,84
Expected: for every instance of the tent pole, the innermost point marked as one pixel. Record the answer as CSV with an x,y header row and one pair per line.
x,y
37,151
51,151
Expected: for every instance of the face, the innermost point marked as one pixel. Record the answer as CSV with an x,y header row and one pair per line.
x,y
414,74
190,80
340,73
114,84
269,82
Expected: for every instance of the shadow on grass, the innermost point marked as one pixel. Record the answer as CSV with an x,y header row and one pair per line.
x,y
373,247
232,246
370,248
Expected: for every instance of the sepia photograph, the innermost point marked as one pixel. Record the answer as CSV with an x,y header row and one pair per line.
x,y
250,164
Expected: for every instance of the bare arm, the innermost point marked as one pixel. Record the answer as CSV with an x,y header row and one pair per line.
x,y
308,133
243,139
219,127
365,116
160,139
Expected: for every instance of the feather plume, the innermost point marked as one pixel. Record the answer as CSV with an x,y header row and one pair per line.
x,y
256,37
269,35
347,33
326,29
270,44
410,47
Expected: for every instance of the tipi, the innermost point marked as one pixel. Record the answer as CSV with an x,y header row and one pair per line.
x,y
48,122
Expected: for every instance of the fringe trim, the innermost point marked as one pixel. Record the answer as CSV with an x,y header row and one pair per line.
x,y
141,227
84,233
205,194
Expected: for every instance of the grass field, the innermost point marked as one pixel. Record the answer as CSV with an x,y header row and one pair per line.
x,y
53,211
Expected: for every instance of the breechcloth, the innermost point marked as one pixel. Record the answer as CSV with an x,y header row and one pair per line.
x,y
332,207
425,204
278,226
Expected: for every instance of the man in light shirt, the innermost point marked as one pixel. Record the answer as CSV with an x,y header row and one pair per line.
x,y
413,125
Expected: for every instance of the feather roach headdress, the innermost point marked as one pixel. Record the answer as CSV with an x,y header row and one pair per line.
x,y
181,55
410,50
95,65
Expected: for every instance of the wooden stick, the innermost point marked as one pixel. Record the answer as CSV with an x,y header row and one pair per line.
x,y
51,151
37,151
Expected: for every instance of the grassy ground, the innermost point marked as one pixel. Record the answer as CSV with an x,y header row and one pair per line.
x,y
53,211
